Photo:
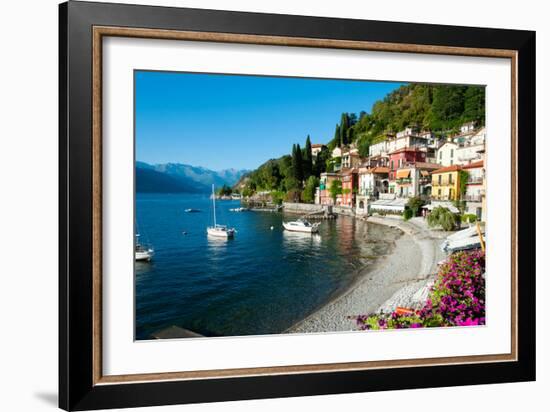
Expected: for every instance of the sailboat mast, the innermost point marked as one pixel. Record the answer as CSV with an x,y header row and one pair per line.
x,y
214,204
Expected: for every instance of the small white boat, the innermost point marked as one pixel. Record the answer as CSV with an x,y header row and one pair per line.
x,y
142,252
238,209
218,230
192,210
301,225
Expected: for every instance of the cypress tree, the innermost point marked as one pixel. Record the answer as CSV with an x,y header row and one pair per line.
x,y
298,164
308,159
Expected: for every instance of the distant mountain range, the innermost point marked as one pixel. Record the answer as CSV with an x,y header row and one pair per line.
x,y
182,178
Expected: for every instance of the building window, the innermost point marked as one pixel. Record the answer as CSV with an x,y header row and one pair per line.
x,y
439,179
438,192
450,178
440,155
452,152
391,165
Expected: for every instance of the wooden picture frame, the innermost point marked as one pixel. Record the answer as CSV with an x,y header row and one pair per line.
x,y
82,385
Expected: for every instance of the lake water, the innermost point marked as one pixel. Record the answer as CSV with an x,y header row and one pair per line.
x,y
261,282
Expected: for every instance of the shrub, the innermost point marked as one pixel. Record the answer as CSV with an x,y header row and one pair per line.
x,y
457,298
415,203
407,214
469,218
441,216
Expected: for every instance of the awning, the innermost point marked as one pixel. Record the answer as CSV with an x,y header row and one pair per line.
x,y
424,173
403,174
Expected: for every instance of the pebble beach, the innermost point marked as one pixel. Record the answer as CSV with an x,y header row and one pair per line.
x,y
401,278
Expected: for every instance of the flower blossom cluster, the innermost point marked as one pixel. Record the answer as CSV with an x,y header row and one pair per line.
x,y
457,298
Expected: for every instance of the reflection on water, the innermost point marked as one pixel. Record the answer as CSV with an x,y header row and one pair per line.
x,y
261,281
299,240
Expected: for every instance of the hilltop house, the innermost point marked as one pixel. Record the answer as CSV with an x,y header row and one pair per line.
x,y
316,148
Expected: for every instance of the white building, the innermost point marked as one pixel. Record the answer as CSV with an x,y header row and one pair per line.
x,y
469,151
316,148
410,137
447,155
475,189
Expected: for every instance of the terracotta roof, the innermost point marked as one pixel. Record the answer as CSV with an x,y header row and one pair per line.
x,y
317,145
380,169
474,165
452,168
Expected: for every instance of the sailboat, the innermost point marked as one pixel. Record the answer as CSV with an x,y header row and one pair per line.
x,y
142,252
218,230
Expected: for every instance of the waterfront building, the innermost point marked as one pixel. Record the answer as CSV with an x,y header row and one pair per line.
x,y
414,179
349,187
350,157
326,180
445,183
373,181
475,189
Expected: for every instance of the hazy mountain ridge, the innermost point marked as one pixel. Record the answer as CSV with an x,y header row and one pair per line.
x,y
179,177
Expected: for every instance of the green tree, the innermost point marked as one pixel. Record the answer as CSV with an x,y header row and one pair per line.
x,y
308,160
474,104
462,183
297,163
321,161
441,216
308,195
414,204
335,189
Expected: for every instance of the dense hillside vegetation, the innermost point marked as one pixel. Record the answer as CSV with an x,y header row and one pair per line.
x,y
439,108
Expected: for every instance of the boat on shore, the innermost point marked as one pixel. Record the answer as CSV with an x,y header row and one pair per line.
x,y
301,225
218,230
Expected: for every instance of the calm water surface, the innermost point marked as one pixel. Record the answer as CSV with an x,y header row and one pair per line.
x,y
261,282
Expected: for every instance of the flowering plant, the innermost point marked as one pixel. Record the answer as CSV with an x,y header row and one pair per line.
x,y
457,298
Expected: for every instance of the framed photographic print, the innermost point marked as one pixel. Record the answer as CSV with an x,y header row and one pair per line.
x,y
257,205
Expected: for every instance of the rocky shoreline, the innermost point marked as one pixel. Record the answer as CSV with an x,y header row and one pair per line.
x,y
402,278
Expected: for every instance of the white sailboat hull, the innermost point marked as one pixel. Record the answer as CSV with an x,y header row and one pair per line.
x,y
220,232
144,255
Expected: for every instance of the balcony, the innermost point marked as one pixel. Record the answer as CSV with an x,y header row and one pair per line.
x,y
472,198
472,180
403,181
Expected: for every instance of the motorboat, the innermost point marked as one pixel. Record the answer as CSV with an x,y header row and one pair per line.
x,y
301,225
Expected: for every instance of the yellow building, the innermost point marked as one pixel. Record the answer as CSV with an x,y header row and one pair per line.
x,y
445,183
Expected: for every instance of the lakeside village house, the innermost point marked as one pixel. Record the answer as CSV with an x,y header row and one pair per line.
x,y
409,163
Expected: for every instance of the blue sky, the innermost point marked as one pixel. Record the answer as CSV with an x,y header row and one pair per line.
x,y
230,121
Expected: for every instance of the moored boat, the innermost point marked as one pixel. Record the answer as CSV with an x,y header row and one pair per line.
x,y
142,252
218,230
301,225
